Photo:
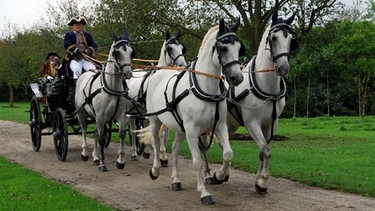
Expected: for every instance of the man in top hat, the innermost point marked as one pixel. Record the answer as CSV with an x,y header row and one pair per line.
x,y
48,67
76,42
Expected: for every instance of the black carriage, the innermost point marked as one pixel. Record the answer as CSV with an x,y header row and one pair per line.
x,y
52,112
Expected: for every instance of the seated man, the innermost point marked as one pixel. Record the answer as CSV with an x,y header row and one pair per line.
x,y
76,42
48,67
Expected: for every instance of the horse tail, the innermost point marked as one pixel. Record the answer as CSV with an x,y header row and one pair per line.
x,y
145,135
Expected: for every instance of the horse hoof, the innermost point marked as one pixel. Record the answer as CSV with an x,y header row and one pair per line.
x,y
217,181
134,158
103,168
176,186
120,165
164,163
210,181
146,155
96,162
152,176
260,190
84,158
207,200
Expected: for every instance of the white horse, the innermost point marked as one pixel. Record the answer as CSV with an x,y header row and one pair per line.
x,y
192,103
258,102
101,96
171,54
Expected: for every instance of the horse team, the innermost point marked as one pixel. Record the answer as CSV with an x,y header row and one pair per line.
x,y
212,96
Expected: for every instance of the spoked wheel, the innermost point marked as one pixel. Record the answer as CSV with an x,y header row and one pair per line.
x,y
35,124
60,134
107,133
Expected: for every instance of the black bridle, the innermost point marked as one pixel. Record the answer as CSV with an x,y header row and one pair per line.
x,y
124,44
229,37
168,49
286,30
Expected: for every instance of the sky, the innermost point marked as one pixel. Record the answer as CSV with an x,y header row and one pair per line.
x,y
21,13
24,13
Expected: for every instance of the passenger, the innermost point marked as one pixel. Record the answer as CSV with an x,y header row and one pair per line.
x,y
48,69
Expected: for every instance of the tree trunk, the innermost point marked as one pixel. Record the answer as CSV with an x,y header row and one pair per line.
x,y
11,96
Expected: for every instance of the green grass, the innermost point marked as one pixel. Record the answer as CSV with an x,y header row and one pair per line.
x,y
23,189
330,152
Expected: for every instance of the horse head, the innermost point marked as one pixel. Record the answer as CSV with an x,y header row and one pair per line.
x,y
122,54
174,50
228,48
282,41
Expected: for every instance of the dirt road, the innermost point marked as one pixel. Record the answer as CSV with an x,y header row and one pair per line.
x,y
132,189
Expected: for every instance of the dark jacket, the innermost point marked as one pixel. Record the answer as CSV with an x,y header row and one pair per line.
x,y
70,42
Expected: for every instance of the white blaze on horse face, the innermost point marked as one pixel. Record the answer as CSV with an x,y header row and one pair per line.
x,y
281,44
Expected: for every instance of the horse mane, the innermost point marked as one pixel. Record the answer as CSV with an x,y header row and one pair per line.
x,y
263,41
208,35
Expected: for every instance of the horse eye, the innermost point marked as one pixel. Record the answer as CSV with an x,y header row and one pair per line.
x,y
225,40
223,49
274,38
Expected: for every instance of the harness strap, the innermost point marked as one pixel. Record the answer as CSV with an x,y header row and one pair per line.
x,y
236,112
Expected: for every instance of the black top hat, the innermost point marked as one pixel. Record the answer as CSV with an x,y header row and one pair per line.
x,y
77,20
52,53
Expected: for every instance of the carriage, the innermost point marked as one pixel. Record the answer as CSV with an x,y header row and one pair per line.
x,y
53,113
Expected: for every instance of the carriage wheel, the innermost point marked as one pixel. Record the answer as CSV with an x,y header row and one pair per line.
x,y
140,146
35,124
107,133
60,134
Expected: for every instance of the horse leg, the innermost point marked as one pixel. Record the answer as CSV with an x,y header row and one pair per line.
x,y
222,175
95,152
206,197
155,128
207,170
263,174
100,139
147,152
163,153
132,126
82,120
120,164
176,182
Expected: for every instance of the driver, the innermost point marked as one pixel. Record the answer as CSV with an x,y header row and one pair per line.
x,y
76,42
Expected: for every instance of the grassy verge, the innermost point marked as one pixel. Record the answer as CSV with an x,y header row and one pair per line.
x,y
41,193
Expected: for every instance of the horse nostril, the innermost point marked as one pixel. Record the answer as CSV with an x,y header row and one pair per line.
x,y
236,80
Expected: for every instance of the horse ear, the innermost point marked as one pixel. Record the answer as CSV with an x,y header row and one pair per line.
x,y
115,37
234,28
178,35
290,19
126,35
221,25
275,17
167,35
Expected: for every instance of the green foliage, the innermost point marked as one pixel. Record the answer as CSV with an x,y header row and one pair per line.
x,y
338,60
